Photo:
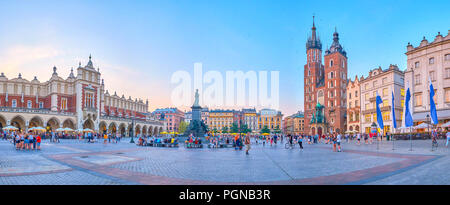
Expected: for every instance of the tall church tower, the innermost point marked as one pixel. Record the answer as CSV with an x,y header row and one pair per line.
x,y
335,61
313,72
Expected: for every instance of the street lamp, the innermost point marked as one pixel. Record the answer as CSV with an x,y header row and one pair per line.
x,y
132,131
428,126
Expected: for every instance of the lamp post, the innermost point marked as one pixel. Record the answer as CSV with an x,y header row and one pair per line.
x,y
428,126
132,130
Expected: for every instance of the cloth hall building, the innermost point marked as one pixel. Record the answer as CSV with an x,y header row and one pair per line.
x,y
77,102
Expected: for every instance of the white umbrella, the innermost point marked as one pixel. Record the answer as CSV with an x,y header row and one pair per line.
x,y
37,129
447,124
422,126
79,130
88,130
68,129
10,128
60,129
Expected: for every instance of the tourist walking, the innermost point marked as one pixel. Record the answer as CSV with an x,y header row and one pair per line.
x,y
300,141
448,138
247,144
358,138
338,142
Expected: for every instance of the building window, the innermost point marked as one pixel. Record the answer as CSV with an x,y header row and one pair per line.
x,y
447,73
433,76
63,103
331,63
350,105
366,96
89,100
417,64
29,104
386,116
366,86
417,79
356,93
402,92
447,57
385,103
367,106
418,99
385,92
374,83
367,118
349,95
384,81
431,61
447,95
14,103
41,105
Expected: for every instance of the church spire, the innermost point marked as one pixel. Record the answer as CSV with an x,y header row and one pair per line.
x,y
313,40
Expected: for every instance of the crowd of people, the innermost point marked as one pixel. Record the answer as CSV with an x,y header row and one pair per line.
x,y
145,140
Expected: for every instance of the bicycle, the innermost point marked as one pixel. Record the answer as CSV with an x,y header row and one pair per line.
x,y
434,145
289,145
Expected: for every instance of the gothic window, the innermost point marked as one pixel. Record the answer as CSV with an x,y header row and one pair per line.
x,y
63,103
331,75
331,63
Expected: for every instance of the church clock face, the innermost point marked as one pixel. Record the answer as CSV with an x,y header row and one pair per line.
x,y
320,97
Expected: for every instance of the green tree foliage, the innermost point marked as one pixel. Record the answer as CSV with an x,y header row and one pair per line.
x,y
182,127
265,129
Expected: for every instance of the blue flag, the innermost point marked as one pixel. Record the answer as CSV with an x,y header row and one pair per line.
x,y
394,122
433,113
379,115
408,117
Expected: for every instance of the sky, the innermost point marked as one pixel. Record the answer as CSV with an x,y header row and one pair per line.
x,y
138,45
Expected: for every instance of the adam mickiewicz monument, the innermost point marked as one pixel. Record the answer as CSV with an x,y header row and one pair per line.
x,y
197,126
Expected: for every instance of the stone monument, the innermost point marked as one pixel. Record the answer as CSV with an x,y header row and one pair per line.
x,y
197,127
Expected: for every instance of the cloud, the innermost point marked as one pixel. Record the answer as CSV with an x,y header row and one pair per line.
x,y
26,59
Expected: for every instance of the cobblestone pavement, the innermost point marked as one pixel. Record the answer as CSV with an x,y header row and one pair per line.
x,y
76,162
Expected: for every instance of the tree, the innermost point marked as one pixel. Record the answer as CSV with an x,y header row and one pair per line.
x,y
234,128
182,127
225,129
265,129
277,130
244,129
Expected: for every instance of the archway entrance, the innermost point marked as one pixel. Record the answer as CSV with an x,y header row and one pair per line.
x,y
68,124
36,122
18,122
88,124
2,122
122,129
102,127
112,128
138,130
52,125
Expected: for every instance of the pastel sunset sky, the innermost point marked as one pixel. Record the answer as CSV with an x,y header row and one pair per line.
x,y
138,45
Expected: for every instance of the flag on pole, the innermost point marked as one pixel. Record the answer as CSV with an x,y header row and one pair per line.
x,y
379,115
407,114
394,121
433,113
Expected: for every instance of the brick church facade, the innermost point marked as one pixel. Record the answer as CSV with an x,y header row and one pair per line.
x,y
325,84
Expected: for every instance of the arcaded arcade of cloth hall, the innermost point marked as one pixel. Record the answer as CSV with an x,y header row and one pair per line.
x,y
78,102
